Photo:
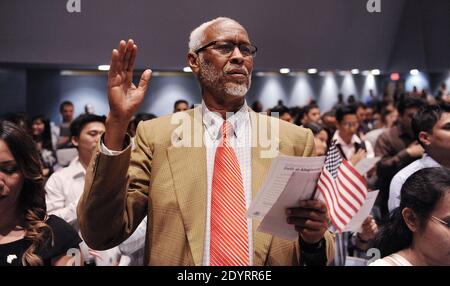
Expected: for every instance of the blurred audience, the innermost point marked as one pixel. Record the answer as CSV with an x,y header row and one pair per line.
x,y
45,142
397,148
431,126
67,110
180,105
320,137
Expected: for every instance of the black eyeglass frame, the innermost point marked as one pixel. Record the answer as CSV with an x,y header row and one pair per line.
x,y
253,54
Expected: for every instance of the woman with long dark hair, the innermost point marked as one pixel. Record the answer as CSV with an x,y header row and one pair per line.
x,y
418,231
28,236
42,137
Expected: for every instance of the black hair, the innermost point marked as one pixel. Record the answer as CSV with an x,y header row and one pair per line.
x,y
280,109
132,126
78,124
257,106
345,110
64,103
46,137
19,118
421,193
409,102
331,113
315,127
385,111
143,117
360,105
427,117
178,102
309,107
31,202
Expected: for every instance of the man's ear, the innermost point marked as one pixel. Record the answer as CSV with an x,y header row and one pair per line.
x,y
410,219
425,138
193,61
74,140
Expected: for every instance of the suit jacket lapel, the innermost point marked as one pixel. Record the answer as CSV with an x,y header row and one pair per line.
x,y
260,167
189,173
188,166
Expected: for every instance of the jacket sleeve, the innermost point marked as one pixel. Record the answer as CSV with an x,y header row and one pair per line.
x,y
389,163
115,197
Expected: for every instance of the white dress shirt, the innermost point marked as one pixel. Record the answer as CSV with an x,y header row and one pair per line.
x,y
401,177
63,190
349,149
241,143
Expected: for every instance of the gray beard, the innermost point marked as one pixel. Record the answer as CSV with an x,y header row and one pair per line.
x,y
212,78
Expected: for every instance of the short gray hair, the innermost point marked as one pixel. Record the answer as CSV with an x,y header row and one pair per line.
x,y
197,36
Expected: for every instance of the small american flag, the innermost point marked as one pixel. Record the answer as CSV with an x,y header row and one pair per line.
x,y
342,187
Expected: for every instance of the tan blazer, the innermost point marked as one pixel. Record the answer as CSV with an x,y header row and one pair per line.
x,y
168,184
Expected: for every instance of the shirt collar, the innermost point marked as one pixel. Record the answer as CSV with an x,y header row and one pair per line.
x,y
76,169
339,140
213,121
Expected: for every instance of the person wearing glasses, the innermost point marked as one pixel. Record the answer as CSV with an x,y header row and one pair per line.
x,y
196,196
351,147
418,231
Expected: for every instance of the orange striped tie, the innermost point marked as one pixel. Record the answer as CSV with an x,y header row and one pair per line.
x,y
229,230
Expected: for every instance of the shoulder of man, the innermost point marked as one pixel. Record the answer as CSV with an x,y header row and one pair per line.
x,y
62,175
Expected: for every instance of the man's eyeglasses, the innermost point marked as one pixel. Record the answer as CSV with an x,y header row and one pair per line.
x,y
350,124
226,48
440,221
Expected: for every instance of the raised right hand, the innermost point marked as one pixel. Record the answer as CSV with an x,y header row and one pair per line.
x,y
123,96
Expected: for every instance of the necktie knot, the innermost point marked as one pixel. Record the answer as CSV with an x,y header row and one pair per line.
x,y
226,130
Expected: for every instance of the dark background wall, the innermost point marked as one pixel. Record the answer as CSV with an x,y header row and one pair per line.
x,y
38,39
326,34
13,90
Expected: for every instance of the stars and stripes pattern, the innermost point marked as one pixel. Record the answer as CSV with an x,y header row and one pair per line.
x,y
229,229
342,187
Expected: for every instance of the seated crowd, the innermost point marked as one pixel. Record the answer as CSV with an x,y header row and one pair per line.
x,y
43,168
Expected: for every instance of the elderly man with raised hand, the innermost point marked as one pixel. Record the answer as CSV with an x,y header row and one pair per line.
x,y
196,195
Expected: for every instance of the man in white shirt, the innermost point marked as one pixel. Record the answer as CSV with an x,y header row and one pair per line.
x,y
431,126
353,149
345,136
64,188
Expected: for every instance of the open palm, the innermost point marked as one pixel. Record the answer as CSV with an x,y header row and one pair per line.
x,y
123,96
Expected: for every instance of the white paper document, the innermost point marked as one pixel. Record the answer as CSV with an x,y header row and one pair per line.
x,y
366,164
290,179
355,224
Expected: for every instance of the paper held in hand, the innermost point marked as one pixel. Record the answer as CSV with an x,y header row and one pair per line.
x,y
290,179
